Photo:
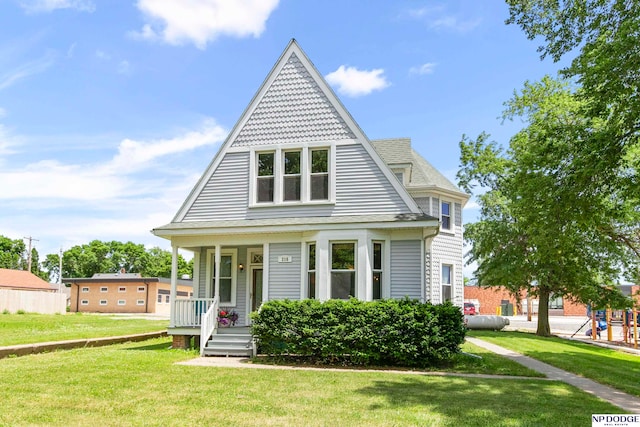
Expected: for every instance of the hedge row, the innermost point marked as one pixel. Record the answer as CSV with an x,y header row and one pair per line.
x,y
384,333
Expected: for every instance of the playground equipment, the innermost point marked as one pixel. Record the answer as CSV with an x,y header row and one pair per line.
x,y
601,320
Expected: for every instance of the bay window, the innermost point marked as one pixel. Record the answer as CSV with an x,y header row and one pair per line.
x,y
343,270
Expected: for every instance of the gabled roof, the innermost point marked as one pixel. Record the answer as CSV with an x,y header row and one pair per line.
x,y
19,279
294,105
398,151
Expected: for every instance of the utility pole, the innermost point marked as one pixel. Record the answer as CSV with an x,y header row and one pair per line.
x,y
60,272
29,253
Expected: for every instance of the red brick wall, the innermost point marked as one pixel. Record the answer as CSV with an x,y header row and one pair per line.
x,y
490,298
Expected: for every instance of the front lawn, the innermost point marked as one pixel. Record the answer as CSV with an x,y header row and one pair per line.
x,y
141,384
34,328
615,368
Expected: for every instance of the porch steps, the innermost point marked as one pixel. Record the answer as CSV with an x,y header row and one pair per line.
x,y
233,341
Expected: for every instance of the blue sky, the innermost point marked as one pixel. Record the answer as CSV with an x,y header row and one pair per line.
x,y
111,110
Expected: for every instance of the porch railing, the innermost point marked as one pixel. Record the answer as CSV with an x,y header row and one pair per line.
x,y
187,313
209,324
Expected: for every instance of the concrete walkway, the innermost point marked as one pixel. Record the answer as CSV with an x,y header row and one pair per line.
x,y
616,397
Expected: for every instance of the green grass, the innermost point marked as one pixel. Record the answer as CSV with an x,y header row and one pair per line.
x,y
615,368
34,328
140,384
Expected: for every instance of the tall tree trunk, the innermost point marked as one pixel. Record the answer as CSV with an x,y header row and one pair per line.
x,y
544,329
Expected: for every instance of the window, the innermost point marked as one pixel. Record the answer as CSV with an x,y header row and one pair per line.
x,y
122,289
319,175
166,298
122,302
104,289
377,270
226,279
291,179
141,288
447,271
159,299
265,177
556,302
85,289
311,272
445,215
103,302
140,302
400,176
343,270
84,302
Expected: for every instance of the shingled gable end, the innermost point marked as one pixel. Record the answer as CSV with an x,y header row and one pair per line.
x,y
298,203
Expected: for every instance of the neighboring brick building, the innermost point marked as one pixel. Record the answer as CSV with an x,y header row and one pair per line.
x,y
488,300
124,293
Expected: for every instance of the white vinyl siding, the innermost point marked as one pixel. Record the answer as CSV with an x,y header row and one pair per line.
x,y
406,264
284,277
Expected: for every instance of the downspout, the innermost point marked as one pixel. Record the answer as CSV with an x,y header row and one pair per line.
x,y
77,298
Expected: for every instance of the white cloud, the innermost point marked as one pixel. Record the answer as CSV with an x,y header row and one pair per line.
x,y
71,50
134,155
44,6
202,21
107,181
102,55
124,67
353,82
438,18
25,70
423,69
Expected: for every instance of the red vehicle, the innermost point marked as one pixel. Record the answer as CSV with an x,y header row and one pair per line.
x,y
469,308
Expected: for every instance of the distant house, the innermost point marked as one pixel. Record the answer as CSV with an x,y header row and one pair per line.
x,y
124,293
20,280
492,300
24,291
299,203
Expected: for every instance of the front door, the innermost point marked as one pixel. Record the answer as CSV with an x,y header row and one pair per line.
x,y
256,288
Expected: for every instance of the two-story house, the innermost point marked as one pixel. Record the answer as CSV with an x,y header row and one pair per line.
x,y
299,203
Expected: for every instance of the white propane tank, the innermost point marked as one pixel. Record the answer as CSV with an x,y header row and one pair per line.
x,y
494,323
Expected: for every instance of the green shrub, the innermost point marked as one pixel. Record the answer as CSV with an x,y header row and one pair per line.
x,y
386,332
21,312
6,311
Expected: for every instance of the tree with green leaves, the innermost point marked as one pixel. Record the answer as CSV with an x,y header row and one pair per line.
x,y
538,231
12,253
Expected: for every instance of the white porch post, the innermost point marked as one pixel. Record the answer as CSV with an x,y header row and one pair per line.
x,y
265,272
174,285
217,262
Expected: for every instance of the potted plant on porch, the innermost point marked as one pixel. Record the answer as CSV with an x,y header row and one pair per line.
x,y
227,318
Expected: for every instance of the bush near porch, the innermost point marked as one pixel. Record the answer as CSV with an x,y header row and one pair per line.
x,y
384,333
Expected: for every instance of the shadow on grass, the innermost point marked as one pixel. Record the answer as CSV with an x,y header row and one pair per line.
x,y
607,366
482,402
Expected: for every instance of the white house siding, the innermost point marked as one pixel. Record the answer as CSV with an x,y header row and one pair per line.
x,y
225,196
406,277
284,277
446,249
361,187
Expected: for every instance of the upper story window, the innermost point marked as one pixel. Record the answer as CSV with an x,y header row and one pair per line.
x,y
291,176
445,215
265,177
291,179
320,174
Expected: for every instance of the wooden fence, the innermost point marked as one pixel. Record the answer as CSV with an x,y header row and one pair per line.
x,y
32,301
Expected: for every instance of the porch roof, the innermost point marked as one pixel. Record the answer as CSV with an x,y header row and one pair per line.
x,y
272,225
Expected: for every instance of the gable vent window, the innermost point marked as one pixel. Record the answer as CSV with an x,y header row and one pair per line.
x,y
319,174
291,180
265,177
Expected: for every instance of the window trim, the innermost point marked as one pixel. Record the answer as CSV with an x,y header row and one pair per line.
x,y
104,289
451,281
122,302
85,290
354,270
451,216
234,273
140,302
84,302
122,289
310,271
381,271
305,174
